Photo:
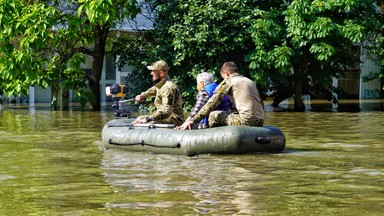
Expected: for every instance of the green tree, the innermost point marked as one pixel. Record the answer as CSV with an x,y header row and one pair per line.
x,y
313,42
191,36
45,42
289,43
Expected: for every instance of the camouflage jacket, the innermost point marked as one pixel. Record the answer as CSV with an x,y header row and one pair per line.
x,y
168,99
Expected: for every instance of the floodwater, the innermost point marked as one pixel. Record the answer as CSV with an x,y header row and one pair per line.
x,y
52,163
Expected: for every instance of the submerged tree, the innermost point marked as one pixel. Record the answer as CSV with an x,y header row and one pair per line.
x,y
45,42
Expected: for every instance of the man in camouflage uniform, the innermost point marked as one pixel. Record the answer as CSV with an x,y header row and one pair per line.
x,y
168,101
242,93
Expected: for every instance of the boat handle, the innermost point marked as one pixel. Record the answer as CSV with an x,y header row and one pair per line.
x,y
263,140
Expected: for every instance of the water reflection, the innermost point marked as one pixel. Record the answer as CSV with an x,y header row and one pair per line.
x,y
53,164
203,184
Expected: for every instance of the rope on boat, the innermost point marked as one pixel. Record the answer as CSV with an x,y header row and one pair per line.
x,y
142,143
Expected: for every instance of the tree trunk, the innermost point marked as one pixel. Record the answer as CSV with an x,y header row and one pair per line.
x,y
63,97
54,96
298,100
94,83
59,97
100,37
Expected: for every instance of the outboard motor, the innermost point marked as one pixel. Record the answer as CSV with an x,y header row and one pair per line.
x,y
118,92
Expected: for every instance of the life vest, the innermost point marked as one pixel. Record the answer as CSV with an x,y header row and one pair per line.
x,y
225,104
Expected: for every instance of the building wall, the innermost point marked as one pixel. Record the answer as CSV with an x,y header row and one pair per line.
x,y
40,95
353,84
369,89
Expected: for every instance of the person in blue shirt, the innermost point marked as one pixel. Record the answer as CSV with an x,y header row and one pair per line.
x,y
206,86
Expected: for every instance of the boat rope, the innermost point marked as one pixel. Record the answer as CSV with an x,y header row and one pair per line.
x,y
142,143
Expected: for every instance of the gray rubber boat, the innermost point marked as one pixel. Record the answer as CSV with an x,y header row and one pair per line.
x,y
162,138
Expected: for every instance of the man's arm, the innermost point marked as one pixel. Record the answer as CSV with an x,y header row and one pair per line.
x,y
143,95
201,100
167,102
218,95
150,92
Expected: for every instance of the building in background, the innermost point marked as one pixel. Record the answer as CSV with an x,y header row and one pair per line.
x,y
358,83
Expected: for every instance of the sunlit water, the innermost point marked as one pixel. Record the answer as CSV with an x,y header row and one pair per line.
x,y
52,163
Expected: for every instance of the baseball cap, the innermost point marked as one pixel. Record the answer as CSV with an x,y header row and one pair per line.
x,y
159,65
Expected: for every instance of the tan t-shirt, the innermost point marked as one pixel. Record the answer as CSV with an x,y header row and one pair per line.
x,y
242,93
246,98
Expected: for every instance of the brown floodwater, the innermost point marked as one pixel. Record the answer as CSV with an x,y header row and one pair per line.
x,y
53,163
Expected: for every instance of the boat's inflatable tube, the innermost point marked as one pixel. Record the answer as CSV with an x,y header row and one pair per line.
x,y
121,134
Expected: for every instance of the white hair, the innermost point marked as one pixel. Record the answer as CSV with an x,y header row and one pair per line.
x,y
205,77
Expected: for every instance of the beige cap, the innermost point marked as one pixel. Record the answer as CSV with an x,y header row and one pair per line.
x,y
159,65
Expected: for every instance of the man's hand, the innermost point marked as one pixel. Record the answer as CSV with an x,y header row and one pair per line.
x,y
139,97
139,121
188,124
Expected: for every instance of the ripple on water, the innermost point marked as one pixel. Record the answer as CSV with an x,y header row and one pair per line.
x,y
370,172
5,177
344,145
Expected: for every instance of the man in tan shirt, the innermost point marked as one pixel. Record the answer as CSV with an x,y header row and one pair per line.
x,y
242,93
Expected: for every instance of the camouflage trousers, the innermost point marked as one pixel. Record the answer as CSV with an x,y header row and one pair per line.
x,y
173,119
223,118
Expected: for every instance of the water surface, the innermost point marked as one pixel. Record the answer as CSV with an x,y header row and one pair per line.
x,y
52,163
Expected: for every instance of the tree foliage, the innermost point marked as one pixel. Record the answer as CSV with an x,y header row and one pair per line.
x,y
46,42
191,36
297,46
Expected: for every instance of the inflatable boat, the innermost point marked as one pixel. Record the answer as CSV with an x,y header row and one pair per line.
x,y
162,138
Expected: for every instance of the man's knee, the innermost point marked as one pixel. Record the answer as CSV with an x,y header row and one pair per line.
x,y
217,118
